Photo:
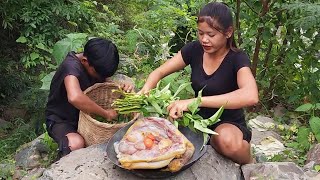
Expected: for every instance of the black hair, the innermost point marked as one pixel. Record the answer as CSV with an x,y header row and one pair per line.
x,y
219,16
103,55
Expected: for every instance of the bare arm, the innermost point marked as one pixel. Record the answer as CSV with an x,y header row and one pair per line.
x,y
82,102
174,64
246,95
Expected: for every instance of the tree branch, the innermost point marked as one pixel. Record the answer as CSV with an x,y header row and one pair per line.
x,y
238,22
255,59
252,9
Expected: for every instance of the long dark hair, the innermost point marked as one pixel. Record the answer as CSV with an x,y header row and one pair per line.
x,y
219,16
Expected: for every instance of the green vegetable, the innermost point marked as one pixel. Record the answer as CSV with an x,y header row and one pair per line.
x,y
156,103
153,104
196,123
122,118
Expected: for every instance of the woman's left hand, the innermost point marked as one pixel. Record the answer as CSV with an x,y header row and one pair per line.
x,y
176,108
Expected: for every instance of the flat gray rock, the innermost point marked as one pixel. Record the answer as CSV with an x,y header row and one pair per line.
x,y
276,170
92,163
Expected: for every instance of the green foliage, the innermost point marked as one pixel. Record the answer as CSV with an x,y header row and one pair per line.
x,y
31,28
46,81
195,122
312,110
151,31
41,23
51,145
306,14
73,42
16,135
149,39
7,170
155,103
297,140
178,78
11,82
287,60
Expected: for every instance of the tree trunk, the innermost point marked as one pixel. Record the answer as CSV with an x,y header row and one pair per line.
x,y
238,22
279,62
255,60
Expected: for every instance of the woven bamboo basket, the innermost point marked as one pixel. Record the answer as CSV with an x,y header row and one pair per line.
x,y
93,131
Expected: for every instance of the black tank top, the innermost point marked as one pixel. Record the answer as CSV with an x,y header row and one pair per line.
x,y
223,80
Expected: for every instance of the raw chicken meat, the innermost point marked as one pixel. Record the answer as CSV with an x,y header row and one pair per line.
x,y
152,143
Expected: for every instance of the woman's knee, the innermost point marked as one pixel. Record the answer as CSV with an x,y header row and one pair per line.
x,y
228,141
76,141
228,145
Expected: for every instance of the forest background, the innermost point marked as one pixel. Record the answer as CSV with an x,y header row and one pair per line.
x,y
281,38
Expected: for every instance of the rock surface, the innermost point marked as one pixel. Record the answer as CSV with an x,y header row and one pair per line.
x,y
92,163
30,155
314,154
276,170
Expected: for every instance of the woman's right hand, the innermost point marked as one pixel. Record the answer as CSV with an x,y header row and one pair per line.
x,y
177,108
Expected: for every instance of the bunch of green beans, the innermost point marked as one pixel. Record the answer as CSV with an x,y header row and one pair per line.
x,y
131,102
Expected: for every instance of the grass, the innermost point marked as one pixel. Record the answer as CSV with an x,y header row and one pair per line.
x,y
12,137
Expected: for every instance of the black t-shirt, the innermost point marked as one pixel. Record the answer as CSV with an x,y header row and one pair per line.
x,y
223,80
58,108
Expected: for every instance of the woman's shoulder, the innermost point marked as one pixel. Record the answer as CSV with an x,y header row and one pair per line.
x,y
193,47
239,54
191,52
193,44
239,59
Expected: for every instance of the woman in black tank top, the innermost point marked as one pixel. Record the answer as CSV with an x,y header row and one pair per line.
x,y
225,73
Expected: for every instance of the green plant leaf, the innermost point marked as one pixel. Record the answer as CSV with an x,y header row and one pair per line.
x,y
165,89
72,43
318,106
186,121
302,137
176,124
193,107
315,126
294,145
34,56
42,47
205,139
46,81
215,118
156,107
60,50
304,107
170,78
317,168
197,125
74,36
21,39
73,23
181,87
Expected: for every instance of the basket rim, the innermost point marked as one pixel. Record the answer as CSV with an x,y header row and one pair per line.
x,y
94,121
96,85
98,123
